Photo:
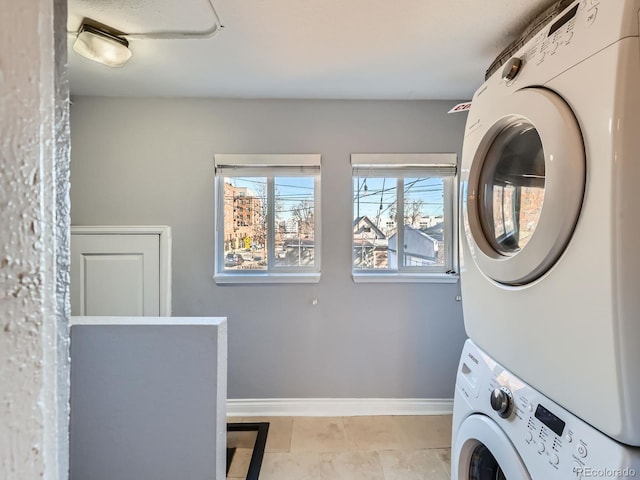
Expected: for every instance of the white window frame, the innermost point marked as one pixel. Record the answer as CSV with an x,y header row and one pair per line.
x,y
269,166
400,166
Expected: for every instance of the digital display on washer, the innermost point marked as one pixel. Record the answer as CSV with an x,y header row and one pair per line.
x,y
564,19
550,420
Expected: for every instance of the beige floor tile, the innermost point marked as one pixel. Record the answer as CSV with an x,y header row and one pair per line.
x,y
318,434
241,439
321,466
240,463
413,465
351,466
445,456
279,435
348,448
291,466
234,419
371,433
419,432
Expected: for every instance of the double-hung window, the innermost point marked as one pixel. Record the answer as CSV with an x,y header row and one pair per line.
x,y
404,217
267,218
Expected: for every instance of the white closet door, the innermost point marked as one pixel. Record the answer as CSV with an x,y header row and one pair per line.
x,y
116,275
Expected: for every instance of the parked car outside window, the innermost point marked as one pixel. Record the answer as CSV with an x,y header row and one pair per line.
x,y
233,260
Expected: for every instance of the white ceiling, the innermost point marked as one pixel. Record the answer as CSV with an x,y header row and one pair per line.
x,y
338,49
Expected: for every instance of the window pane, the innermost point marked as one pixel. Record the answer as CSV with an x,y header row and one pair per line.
x,y
423,222
245,223
403,224
375,203
295,221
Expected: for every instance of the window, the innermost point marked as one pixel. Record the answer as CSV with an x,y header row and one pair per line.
x,y
404,217
267,218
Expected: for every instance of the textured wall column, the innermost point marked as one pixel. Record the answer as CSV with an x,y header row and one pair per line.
x,y
33,226
62,235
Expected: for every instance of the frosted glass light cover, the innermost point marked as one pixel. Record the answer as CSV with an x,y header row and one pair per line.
x,y
102,48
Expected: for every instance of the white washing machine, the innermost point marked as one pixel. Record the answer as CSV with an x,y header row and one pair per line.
x,y
550,185
504,429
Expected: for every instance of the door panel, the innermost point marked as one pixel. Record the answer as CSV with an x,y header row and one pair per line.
x,y
125,276
115,275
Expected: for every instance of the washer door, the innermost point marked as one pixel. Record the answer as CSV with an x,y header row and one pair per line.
x,y
481,451
524,187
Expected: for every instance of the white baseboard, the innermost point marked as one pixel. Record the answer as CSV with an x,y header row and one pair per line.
x,y
337,407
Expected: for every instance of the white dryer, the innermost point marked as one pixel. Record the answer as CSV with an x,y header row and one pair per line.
x,y
551,222
504,429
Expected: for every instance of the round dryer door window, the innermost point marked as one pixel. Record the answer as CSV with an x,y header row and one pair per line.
x,y
525,188
511,188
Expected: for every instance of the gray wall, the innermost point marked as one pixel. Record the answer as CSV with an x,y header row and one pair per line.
x,y
150,161
144,401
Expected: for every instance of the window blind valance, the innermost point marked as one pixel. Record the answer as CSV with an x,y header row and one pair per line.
x,y
404,164
267,164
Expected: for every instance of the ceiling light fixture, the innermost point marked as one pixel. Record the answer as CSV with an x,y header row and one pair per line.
x,y
95,42
101,46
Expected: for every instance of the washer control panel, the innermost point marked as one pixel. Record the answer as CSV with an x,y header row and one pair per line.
x,y
563,444
549,439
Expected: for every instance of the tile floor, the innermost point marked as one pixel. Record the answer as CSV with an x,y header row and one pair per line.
x,y
348,448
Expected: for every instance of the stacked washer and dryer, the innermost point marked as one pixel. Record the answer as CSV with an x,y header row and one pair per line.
x,y
548,385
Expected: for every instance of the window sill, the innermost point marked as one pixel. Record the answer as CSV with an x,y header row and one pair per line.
x,y
405,277
265,278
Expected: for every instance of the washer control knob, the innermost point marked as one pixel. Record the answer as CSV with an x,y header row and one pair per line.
x,y
512,68
555,459
541,447
502,401
529,437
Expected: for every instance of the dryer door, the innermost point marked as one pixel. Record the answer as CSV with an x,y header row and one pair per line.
x,y
482,451
523,186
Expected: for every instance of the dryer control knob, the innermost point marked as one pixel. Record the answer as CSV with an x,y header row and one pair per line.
x,y
512,68
502,401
